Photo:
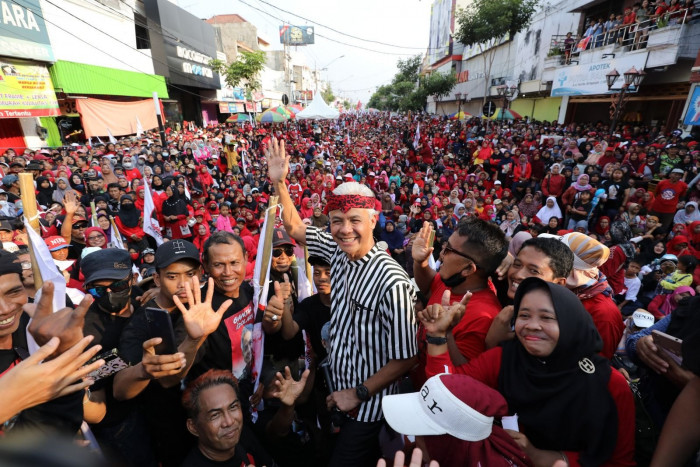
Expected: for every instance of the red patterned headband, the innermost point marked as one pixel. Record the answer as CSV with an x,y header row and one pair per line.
x,y
348,202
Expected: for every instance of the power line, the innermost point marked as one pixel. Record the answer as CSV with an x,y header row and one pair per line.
x,y
340,32
328,38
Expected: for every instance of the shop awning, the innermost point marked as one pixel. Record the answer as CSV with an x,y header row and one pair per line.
x,y
79,78
101,117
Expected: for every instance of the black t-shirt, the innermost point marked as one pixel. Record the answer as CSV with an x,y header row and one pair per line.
x,y
248,452
75,249
162,407
276,346
311,315
218,350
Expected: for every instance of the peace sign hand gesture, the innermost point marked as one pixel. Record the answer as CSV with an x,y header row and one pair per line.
x,y
200,318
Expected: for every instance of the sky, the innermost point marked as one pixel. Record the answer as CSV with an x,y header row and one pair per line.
x,y
356,76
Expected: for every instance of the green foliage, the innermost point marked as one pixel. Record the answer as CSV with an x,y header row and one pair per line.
x,y
245,71
487,20
327,94
409,90
346,104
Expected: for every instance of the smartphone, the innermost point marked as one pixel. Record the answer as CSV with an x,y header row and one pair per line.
x,y
114,363
669,344
160,325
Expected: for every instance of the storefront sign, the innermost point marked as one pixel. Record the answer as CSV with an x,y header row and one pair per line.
x,y
26,91
692,116
590,79
23,31
229,94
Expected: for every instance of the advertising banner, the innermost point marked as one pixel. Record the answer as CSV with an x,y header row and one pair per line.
x,y
23,32
440,30
26,91
589,78
296,35
692,116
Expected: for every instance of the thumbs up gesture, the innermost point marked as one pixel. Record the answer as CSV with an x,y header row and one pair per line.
x,y
279,302
440,318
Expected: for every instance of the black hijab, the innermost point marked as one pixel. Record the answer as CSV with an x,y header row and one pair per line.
x,y
560,406
128,213
44,195
174,205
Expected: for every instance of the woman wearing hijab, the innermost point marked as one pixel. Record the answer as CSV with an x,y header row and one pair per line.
x,y
621,251
664,304
572,193
201,234
44,191
95,236
510,225
550,374
175,215
306,210
528,206
549,210
602,226
62,186
394,239
688,214
129,223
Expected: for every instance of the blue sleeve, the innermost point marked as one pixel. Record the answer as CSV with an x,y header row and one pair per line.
x,y
631,344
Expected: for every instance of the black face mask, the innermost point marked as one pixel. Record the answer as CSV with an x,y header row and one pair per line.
x,y
455,279
114,302
128,207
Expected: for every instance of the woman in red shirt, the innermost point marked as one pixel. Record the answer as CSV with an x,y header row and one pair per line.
x,y
569,400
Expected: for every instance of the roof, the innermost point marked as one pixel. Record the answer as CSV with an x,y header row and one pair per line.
x,y
233,18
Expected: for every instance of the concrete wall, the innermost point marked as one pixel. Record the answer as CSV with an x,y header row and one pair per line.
x,y
88,32
231,33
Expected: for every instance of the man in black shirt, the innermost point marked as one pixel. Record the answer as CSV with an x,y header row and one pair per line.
x,y
215,417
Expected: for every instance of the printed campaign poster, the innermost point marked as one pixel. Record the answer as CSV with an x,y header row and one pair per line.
x,y
26,91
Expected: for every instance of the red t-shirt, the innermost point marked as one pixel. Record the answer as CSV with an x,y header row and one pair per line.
x,y
486,367
667,196
607,320
470,332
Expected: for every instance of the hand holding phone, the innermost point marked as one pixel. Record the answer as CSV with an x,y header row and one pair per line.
x,y
160,325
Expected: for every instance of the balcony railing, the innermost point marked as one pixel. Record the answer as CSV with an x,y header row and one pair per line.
x,y
630,37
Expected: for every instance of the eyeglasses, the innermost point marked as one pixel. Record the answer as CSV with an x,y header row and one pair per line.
x,y
448,249
115,287
79,226
287,250
96,237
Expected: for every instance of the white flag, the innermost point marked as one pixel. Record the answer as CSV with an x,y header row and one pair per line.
x,y
49,273
99,141
112,139
304,287
416,139
116,237
150,225
139,127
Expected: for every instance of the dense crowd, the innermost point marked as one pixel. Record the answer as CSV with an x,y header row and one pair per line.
x,y
492,293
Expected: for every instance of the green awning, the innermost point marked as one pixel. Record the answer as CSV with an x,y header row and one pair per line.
x,y
79,78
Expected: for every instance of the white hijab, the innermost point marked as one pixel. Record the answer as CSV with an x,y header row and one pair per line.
x,y
545,213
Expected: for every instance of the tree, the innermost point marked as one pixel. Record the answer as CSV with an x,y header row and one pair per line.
x,y
347,104
327,94
245,71
409,90
484,23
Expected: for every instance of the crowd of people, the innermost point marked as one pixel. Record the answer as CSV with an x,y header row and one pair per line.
x,y
492,293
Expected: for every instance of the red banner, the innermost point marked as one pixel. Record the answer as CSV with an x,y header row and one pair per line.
x,y
14,113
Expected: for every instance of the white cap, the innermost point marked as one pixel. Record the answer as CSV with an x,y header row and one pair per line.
x,y
435,410
642,318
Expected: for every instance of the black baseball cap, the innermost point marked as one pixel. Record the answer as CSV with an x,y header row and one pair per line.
x,y
318,261
176,250
280,237
106,264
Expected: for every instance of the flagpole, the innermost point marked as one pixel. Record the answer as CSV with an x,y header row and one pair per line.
x,y
26,188
270,227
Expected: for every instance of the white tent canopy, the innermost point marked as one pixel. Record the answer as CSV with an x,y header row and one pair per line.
x,y
318,110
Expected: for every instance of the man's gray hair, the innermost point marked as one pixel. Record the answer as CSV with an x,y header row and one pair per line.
x,y
354,188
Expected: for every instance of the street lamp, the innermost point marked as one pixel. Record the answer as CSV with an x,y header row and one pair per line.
x,y
507,93
632,77
458,96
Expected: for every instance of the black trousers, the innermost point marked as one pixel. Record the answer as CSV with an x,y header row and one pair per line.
x,y
357,444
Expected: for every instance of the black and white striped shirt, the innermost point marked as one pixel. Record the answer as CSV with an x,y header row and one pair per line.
x,y
372,316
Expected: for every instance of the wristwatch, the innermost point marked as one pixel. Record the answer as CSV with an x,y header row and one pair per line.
x,y
362,392
435,340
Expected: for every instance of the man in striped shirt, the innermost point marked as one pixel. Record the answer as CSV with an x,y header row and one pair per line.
x,y
373,327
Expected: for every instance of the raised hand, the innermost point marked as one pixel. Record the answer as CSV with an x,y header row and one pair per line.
x,y
286,389
421,247
200,318
438,319
66,324
70,202
35,381
277,160
276,305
